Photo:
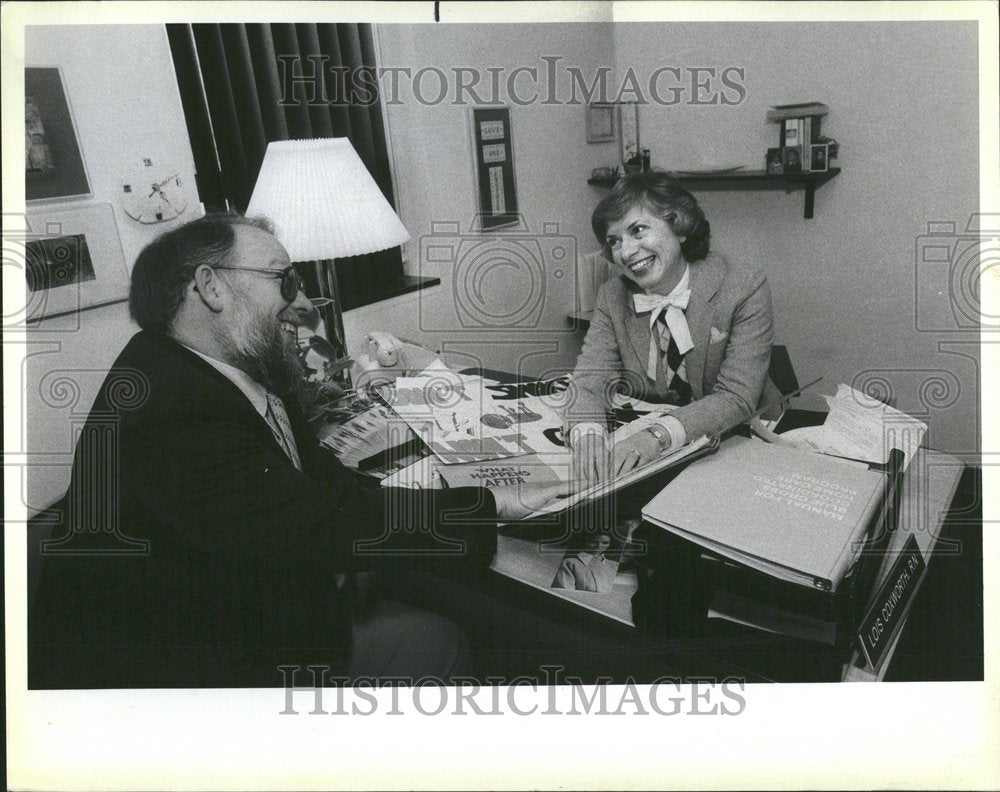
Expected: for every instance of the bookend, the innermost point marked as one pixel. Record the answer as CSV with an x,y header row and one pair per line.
x,y
675,587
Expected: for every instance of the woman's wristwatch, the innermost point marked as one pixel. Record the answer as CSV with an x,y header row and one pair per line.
x,y
662,436
572,435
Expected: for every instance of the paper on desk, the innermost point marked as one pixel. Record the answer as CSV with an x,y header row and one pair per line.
x,y
859,427
464,420
544,468
365,434
765,431
422,474
537,563
438,370
436,365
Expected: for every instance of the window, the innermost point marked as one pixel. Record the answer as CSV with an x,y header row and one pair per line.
x,y
245,85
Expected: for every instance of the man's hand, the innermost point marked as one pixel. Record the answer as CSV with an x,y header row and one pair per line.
x,y
591,458
519,500
634,452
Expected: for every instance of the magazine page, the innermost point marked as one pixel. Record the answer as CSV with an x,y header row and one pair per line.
x,y
590,568
700,444
465,420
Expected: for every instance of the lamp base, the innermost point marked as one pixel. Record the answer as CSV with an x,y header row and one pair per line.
x,y
321,281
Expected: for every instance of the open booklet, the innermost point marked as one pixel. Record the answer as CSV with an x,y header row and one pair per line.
x,y
464,419
695,448
594,569
548,461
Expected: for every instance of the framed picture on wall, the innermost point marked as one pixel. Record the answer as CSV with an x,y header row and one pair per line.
x,y
53,164
73,261
628,113
494,167
601,122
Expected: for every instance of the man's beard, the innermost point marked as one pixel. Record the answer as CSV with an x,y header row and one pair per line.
x,y
256,345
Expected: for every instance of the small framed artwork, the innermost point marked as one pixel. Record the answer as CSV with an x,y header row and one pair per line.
x,y
74,261
628,113
819,156
601,122
53,164
772,162
791,159
494,167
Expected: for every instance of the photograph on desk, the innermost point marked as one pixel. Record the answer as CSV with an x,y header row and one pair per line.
x,y
589,569
594,569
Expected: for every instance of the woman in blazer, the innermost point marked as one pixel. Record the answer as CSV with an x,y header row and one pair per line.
x,y
679,325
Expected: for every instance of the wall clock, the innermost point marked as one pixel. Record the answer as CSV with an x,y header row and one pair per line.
x,y
153,193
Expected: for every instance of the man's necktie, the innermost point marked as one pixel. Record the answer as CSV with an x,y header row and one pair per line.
x,y
277,410
667,314
355,584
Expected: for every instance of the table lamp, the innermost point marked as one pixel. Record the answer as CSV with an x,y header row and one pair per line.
x,y
324,205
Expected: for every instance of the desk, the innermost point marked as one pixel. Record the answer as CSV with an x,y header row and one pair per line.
x,y
540,628
723,649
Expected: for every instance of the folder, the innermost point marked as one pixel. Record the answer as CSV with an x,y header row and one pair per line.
x,y
793,515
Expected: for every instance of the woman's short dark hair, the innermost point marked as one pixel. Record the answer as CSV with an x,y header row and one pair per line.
x,y
662,195
166,266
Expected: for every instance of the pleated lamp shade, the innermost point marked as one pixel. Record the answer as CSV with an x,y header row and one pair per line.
x,y
323,201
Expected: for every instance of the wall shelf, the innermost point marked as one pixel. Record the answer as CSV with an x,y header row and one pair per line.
x,y
750,180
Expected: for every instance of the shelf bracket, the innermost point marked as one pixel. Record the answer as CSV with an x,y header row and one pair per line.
x,y
810,200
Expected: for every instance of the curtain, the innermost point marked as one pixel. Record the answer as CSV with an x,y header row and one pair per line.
x,y
243,86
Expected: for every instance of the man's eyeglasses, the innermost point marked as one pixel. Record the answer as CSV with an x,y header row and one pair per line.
x,y
291,281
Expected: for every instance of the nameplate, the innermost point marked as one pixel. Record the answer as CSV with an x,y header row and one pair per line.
x,y
885,616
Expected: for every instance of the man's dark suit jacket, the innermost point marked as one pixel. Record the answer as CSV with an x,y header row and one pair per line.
x,y
241,549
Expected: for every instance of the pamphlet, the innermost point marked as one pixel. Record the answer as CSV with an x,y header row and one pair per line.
x,y
368,433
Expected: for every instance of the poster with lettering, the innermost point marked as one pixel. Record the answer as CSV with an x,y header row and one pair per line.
x,y
531,469
466,419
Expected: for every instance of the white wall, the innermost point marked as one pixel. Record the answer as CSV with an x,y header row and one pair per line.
x,y
904,108
119,81
434,171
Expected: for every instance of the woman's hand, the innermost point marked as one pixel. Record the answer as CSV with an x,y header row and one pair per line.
x,y
591,459
634,452
519,500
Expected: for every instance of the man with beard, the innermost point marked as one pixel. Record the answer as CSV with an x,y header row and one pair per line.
x,y
208,539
